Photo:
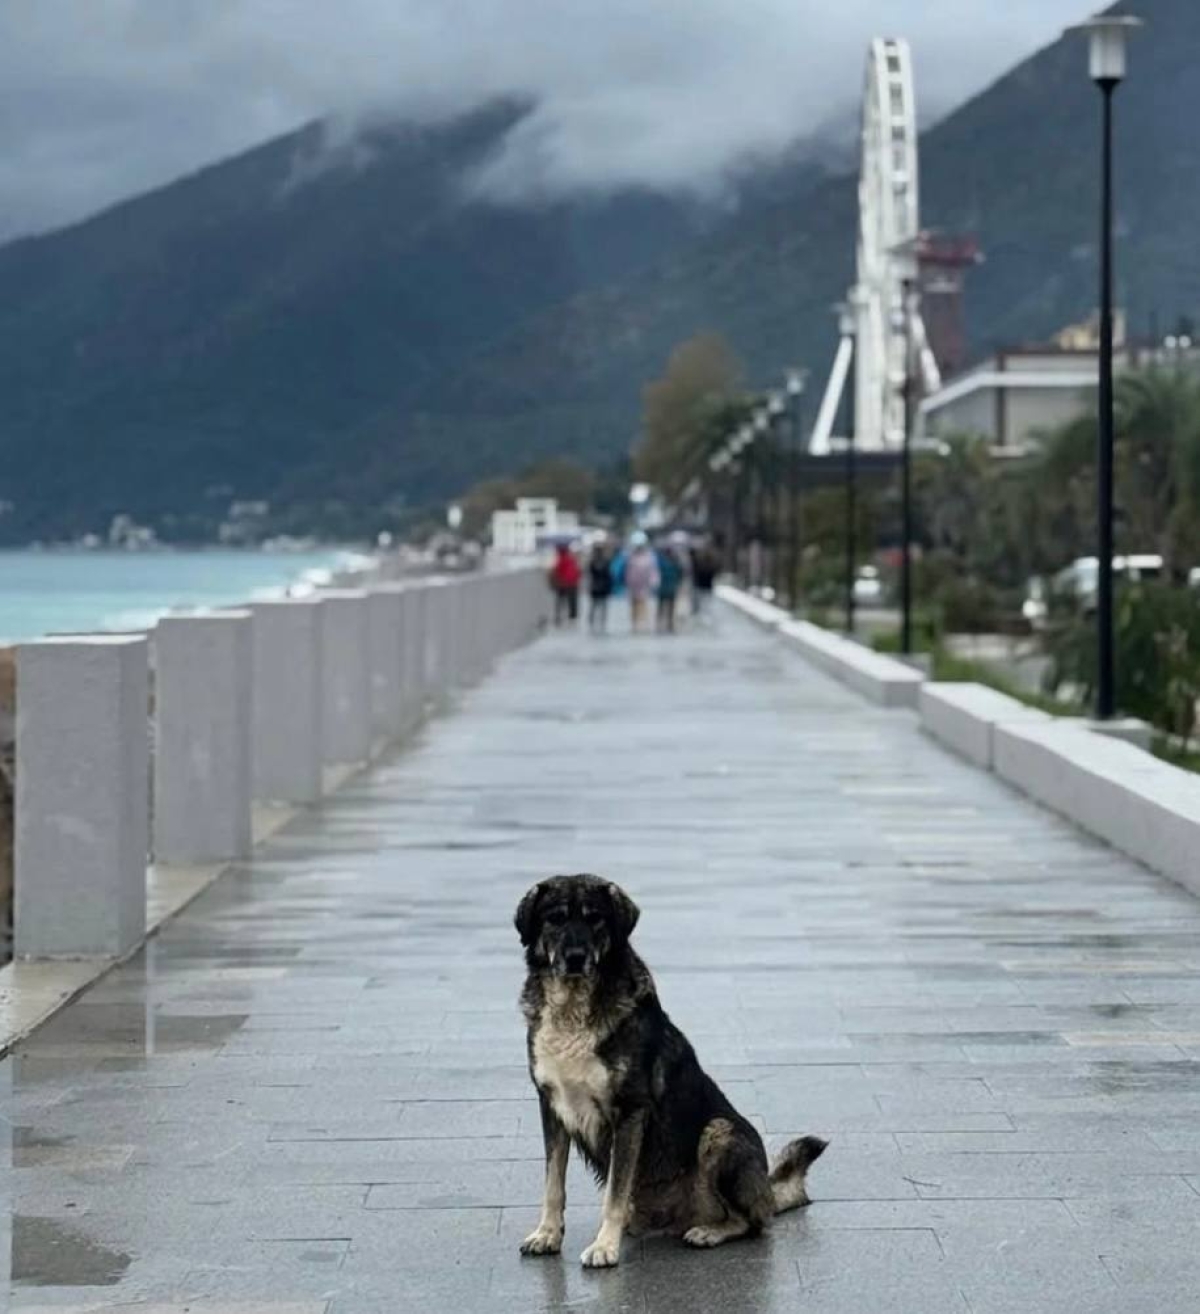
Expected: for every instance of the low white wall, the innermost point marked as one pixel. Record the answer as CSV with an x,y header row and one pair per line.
x,y
82,813
756,609
249,705
386,620
288,689
345,676
882,679
1109,787
1140,805
203,705
964,717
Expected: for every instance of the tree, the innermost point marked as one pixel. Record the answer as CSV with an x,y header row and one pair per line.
x,y
1158,448
684,410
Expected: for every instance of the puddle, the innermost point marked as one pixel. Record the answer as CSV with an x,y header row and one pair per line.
x,y
47,1253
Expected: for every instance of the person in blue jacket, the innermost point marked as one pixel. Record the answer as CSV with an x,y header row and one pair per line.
x,y
670,577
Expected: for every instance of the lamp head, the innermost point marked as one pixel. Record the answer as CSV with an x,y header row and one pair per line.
x,y
1107,35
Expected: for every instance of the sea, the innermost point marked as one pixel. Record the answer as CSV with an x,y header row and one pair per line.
x,y
61,592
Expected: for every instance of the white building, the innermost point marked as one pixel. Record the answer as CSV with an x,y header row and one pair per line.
x,y
516,532
1013,397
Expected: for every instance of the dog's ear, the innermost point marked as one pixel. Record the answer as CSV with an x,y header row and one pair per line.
x,y
525,919
625,911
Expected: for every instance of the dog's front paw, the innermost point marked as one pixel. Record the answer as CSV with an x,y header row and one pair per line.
x,y
704,1237
602,1253
545,1241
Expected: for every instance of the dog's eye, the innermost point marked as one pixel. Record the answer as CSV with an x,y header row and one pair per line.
x,y
595,920
556,917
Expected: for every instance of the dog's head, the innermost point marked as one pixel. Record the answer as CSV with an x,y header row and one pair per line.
x,y
572,925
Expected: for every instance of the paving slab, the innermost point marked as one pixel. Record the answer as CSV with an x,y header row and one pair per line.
x,y
308,1095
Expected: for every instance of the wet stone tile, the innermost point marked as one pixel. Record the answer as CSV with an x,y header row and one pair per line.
x,y
310,1093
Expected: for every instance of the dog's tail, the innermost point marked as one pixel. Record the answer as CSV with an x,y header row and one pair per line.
x,y
789,1170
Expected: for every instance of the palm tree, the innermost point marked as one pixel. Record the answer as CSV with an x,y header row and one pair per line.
x,y
1158,450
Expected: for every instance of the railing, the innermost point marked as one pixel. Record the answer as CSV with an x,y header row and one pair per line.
x,y
270,704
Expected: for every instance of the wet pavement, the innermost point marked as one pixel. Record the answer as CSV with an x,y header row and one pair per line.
x,y
309,1095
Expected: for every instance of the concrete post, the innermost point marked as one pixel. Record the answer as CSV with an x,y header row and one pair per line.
x,y
386,613
82,796
437,638
413,642
288,671
203,710
346,704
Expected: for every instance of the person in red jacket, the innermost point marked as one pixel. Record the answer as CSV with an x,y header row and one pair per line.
x,y
565,575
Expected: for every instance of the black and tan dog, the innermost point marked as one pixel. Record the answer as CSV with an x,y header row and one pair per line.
x,y
615,1076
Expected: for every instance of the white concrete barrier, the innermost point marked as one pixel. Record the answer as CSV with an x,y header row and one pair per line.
x,y
82,796
249,705
288,690
416,611
386,618
883,680
437,657
1125,796
346,680
964,717
203,711
756,609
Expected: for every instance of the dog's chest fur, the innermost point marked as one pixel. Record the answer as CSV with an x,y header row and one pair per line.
x,y
567,1067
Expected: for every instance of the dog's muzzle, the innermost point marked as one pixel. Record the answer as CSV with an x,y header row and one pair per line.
x,y
575,962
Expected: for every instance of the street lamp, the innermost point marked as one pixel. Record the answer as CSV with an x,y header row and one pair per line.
x,y
762,424
1107,36
796,380
776,407
909,285
737,446
847,325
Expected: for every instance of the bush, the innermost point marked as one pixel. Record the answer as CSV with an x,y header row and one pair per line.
x,y
1157,655
969,606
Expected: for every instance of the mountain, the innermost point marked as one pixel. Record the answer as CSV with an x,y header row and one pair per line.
x,y
321,325
1017,166
276,324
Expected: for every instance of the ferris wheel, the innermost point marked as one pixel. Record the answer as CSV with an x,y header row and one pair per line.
x,y
882,322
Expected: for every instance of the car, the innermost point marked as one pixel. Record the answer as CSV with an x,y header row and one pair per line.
x,y
868,587
1080,580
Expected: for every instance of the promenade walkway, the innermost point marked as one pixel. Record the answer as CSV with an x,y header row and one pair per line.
x,y
308,1096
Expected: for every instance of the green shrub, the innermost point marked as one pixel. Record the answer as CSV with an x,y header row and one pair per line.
x,y
1156,651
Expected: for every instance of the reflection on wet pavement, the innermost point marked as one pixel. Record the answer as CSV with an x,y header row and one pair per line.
x,y
308,1096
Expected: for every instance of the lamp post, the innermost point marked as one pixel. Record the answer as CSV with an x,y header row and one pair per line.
x,y
1106,64
776,407
909,285
796,379
847,324
762,425
737,445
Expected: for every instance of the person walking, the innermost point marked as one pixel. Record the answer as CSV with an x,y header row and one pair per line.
x,y
670,577
641,577
564,581
704,577
600,587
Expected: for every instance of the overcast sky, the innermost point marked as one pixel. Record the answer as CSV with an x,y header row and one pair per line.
x,y
100,99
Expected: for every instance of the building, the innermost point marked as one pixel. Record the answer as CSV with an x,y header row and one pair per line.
x,y
516,532
1011,398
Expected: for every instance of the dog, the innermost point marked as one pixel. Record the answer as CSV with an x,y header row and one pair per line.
x,y
616,1078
